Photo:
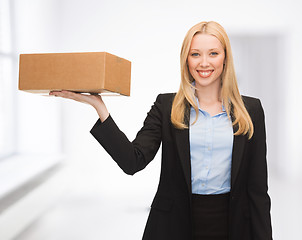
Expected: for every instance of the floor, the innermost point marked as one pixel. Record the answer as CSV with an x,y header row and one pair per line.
x,y
83,214
88,217
87,212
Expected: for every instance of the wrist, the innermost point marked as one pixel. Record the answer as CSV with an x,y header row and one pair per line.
x,y
102,112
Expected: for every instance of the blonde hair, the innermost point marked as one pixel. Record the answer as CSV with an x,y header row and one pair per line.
x,y
230,95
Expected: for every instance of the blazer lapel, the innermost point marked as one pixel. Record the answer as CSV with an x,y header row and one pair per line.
x,y
237,153
183,149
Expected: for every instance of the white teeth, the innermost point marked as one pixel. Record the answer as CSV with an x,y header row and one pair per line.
x,y
205,73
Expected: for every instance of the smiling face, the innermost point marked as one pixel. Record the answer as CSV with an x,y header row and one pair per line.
x,y
205,61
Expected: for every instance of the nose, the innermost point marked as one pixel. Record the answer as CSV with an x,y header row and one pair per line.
x,y
204,62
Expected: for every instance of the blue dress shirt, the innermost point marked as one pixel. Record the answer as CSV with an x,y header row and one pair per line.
x,y
211,145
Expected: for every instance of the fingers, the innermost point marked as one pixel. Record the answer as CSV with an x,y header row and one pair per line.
x,y
66,94
92,99
69,95
61,93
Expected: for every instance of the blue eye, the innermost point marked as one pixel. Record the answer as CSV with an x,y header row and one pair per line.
x,y
194,54
214,53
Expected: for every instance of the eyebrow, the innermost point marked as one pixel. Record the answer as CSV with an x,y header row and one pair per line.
x,y
209,49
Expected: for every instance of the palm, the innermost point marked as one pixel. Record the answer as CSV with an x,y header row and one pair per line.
x,y
84,98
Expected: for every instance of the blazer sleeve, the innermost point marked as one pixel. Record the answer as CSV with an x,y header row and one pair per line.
x,y
259,200
133,156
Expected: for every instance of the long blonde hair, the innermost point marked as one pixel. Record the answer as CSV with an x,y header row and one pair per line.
x,y
230,95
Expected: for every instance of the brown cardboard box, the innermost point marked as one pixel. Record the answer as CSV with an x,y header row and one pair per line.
x,y
92,72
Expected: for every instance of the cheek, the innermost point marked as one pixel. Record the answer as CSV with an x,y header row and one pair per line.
x,y
191,64
219,63
191,70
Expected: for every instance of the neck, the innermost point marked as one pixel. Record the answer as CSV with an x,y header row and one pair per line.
x,y
208,95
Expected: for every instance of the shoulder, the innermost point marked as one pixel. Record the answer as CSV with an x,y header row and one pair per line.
x,y
163,103
251,102
165,99
165,96
253,106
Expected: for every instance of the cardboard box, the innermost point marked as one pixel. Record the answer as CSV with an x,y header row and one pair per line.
x,y
93,72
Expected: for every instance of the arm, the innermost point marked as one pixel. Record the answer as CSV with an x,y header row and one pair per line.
x,y
259,200
131,156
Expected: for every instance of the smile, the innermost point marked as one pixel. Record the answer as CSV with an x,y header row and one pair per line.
x,y
205,74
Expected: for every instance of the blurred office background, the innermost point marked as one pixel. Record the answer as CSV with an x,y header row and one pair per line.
x,y
57,183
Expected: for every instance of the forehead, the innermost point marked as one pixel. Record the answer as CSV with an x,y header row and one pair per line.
x,y
203,41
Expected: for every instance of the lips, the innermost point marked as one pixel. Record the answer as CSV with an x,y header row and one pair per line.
x,y
205,73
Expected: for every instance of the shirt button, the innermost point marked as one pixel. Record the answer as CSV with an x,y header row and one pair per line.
x,y
209,148
207,167
202,184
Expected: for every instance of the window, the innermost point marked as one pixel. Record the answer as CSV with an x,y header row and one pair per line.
x,y
7,85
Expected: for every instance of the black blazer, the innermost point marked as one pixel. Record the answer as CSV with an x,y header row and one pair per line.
x,y
170,214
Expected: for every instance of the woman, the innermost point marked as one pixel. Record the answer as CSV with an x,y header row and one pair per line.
x,y
213,182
